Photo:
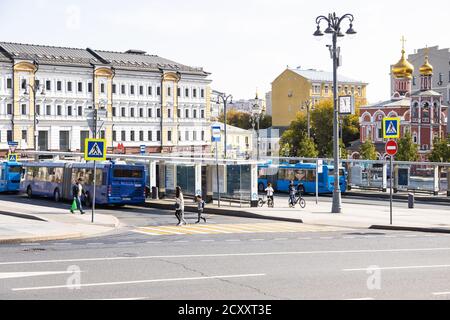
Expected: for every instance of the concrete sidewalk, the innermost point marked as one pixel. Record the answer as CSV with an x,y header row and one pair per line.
x,y
375,213
23,222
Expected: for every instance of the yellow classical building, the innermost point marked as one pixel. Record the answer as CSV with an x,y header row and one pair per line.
x,y
293,88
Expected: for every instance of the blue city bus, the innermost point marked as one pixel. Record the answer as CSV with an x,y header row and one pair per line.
x,y
304,173
10,176
116,184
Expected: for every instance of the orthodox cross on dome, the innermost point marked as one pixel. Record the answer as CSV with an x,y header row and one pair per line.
x,y
403,40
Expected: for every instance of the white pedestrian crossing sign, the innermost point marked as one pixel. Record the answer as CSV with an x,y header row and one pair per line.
x,y
12,157
95,149
391,128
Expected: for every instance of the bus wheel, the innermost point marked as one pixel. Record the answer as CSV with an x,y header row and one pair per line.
x,y
56,195
261,187
29,192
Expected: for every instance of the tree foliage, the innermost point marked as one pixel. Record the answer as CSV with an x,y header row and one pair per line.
x,y
368,151
441,150
407,149
307,148
242,120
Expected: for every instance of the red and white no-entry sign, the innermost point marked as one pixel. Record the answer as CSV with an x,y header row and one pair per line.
x,y
391,147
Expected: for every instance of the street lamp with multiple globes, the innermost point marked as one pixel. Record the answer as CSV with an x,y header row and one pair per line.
x,y
307,105
255,116
225,99
34,88
334,28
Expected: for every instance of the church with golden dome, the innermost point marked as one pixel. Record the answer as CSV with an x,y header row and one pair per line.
x,y
422,112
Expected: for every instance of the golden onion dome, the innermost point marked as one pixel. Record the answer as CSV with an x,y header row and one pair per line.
x,y
426,69
403,68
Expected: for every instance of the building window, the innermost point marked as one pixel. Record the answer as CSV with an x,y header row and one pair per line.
x,y
195,114
169,91
169,113
24,135
131,135
123,136
114,88
48,110
38,110
69,86
9,83
90,87
194,93
203,135
178,113
186,92
58,85
48,85
114,110
69,110
80,111
158,113
80,86
194,135
114,135
186,135
131,89
202,93
149,112
132,112
150,91
141,113
24,109
123,112
58,110
9,135
203,114
178,92
158,91
141,135
150,135
141,90
122,89
24,84
186,113
169,135
158,135
9,108
102,88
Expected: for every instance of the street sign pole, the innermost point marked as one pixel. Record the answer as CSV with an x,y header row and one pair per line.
x,y
217,174
317,182
391,150
391,175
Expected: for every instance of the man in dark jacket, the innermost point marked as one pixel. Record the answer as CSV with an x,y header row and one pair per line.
x,y
77,191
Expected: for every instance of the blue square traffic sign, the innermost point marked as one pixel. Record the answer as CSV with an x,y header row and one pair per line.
x,y
95,149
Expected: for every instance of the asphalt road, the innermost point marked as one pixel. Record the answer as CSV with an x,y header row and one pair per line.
x,y
314,263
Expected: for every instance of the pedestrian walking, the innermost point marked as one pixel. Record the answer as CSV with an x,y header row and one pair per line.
x,y
200,208
292,191
179,206
269,192
77,191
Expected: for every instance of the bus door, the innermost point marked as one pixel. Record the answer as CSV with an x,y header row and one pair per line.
x,y
67,182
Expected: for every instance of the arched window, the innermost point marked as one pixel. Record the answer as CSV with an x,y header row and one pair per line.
x,y
415,110
425,112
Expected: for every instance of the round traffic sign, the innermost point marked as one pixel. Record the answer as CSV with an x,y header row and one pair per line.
x,y
391,147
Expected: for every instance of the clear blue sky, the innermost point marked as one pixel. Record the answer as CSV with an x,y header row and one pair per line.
x,y
245,44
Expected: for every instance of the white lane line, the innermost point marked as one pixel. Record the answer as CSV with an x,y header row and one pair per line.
x,y
30,244
257,239
125,243
390,236
402,268
62,244
154,242
208,240
326,238
94,244
245,254
411,235
441,293
181,241
305,238
161,231
233,240
11,275
348,237
143,281
146,233
280,239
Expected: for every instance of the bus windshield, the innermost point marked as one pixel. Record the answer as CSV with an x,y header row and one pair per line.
x,y
15,169
128,173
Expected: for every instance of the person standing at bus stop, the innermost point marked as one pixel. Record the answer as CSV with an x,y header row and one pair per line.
x,y
179,205
77,191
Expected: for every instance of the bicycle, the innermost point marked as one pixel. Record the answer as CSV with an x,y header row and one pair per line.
x,y
263,201
298,198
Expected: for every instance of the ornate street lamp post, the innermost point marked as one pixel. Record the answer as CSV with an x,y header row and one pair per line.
x,y
255,118
225,99
334,28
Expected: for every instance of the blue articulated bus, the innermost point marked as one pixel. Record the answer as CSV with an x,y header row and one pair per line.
x,y
116,184
10,176
304,173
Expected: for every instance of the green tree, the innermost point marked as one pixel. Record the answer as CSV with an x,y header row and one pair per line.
x,y
368,151
292,137
307,148
441,150
350,129
322,123
407,149
265,122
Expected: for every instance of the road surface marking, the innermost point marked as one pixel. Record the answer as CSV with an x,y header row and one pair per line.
x,y
10,275
154,242
245,254
368,298
143,281
257,239
280,239
62,244
30,244
125,243
326,238
348,237
440,293
181,241
233,240
158,231
411,235
402,268
208,240
94,244
304,238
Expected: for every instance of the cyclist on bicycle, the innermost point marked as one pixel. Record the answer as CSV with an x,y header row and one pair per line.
x,y
292,191
269,193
